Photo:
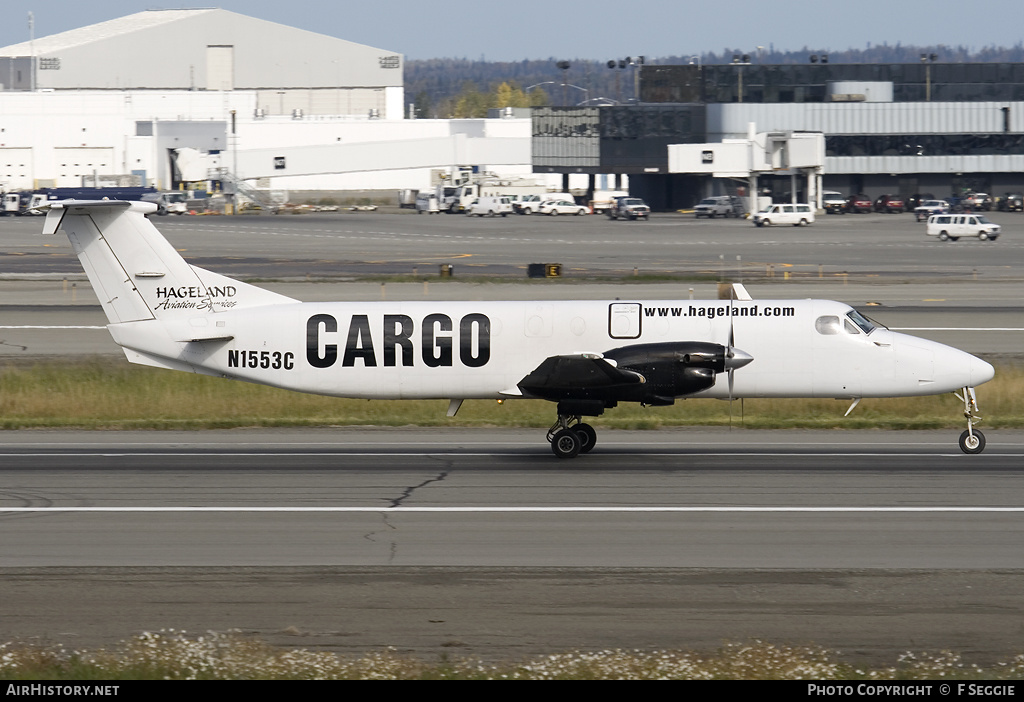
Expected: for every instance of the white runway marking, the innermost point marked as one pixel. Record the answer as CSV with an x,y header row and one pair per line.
x,y
529,509
489,454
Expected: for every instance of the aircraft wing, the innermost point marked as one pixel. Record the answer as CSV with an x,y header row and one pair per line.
x,y
577,373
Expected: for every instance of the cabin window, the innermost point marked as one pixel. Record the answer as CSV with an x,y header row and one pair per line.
x,y
827,324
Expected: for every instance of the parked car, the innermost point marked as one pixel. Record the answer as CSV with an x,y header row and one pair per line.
x,y
557,207
711,207
833,202
977,201
950,227
858,203
628,208
529,204
1011,202
798,215
930,207
916,199
490,206
889,203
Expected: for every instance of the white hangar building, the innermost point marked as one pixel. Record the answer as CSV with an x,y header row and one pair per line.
x,y
287,69
165,95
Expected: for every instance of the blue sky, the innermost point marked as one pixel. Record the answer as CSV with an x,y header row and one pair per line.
x,y
595,29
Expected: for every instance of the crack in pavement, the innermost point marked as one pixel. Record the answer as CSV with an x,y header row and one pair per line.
x,y
397,502
407,493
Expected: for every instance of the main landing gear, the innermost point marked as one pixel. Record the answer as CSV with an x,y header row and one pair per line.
x,y
972,440
570,437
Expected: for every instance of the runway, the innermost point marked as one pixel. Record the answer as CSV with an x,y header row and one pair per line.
x,y
490,498
479,542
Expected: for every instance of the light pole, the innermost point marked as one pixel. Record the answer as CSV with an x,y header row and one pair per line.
x,y
621,64
928,60
564,65
740,61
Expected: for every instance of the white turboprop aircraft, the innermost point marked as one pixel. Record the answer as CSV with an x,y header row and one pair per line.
x,y
586,356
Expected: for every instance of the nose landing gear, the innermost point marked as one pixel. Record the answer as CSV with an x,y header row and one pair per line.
x,y
972,440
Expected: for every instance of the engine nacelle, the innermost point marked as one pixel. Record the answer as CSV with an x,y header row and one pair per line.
x,y
652,374
670,369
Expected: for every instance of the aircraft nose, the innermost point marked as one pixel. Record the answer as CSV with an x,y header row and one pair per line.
x,y
965,369
980,372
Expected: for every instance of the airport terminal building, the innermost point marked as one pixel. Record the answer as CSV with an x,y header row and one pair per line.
x,y
888,128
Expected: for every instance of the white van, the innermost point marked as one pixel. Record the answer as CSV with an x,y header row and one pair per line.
x,y
950,227
797,215
490,206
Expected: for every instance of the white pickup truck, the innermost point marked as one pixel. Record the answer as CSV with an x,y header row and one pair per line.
x,y
718,206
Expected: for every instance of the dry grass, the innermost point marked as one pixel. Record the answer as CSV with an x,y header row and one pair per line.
x,y
111,394
171,655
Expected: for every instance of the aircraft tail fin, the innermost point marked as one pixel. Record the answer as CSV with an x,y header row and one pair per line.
x,y
136,273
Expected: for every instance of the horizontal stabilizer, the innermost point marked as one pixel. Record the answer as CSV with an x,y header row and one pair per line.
x,y
198,339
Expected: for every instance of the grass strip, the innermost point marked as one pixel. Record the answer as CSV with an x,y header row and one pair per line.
x,y
110,394
172,655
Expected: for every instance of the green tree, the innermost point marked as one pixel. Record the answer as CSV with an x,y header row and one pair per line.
x,y
471,103
423,105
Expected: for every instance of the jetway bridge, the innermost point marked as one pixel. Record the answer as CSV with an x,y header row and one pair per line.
x,y
433,152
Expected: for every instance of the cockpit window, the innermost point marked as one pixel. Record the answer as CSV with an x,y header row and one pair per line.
x,y
861,321
853,323
827,324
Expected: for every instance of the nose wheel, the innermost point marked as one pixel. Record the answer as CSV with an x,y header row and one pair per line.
x,y
570,437
972,440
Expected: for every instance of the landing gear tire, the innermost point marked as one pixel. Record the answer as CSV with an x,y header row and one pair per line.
x,y
972,442
587,436
566,443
